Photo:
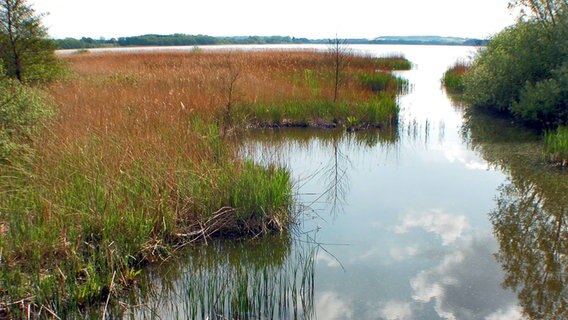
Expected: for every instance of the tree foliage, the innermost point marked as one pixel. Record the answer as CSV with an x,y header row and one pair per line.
x,y
340,54
25,51
523,71
545,11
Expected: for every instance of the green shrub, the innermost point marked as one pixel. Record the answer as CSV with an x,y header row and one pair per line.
x,y
22,110
545,101
522,71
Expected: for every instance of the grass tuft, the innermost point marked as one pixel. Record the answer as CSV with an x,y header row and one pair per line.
x,y
556,145
453,78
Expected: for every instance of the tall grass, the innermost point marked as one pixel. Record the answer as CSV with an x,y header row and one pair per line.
x,y
139,160
393,62
383,81
378,111
453,78
261,279
556,145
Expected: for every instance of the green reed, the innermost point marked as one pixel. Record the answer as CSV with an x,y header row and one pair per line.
x,y
556,145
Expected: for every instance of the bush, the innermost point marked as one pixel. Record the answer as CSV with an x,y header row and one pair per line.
x,y
21,111
523,72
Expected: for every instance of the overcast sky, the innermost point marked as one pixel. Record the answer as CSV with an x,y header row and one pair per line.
x,y
298,18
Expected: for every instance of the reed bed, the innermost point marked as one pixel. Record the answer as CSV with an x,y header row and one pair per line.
x,y
269,278
140,159
556,146
453,78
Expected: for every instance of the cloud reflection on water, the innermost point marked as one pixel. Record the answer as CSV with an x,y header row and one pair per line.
x,y
396,310
469,265
330,306
449,227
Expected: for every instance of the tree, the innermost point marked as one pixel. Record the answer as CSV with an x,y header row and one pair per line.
x,y
25,51
545,11
340,53
522,71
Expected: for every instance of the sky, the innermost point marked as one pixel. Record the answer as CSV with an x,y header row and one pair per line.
x,y
314,19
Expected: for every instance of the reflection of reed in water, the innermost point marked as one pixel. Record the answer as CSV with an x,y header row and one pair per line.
x,y
269,278
530,220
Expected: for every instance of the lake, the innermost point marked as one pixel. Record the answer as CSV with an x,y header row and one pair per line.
x,y
454,215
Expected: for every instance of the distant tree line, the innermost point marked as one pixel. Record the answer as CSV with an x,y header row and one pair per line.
x,y
465,42
175,40
180,39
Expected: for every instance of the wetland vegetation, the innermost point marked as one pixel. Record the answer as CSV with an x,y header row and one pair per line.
x,y
139,157
114,164
522,72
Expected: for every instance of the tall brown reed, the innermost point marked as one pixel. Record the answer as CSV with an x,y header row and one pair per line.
x,y
137,161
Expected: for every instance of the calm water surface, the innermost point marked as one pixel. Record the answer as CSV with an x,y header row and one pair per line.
x,y
427,222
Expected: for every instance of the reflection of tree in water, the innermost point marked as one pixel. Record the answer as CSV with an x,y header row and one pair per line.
x,y
334,145
533,251
530,219
335,179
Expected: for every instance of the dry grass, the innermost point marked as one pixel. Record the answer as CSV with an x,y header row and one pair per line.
x,y
143,104
136,162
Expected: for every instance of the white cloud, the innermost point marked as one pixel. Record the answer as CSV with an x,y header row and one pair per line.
x,y
448,226
466,284
396,310
327,259
457,153
402,253
424,289
512,313
330,306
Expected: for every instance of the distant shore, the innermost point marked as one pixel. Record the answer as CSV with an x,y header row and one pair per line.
x,y
153,40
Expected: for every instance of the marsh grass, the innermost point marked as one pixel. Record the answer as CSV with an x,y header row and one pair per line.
x,y
393,62
453,78
380,110
269,278
556,145
384,81
140,160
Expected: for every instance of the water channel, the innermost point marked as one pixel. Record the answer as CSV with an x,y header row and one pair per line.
x,y
452,216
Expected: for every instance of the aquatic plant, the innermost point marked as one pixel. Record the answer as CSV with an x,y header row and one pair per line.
x,y
556,145
453,78
141,159
262,278
392,62
383,81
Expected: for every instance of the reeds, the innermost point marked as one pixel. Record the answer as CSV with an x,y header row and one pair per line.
x,y
264,278
139,160
556,146
393,62
453,78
